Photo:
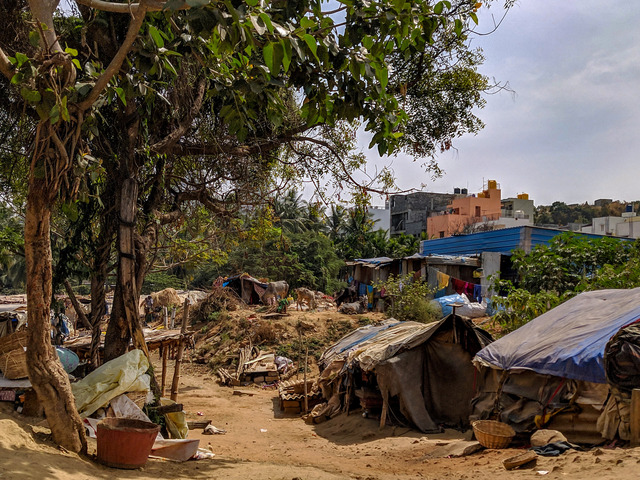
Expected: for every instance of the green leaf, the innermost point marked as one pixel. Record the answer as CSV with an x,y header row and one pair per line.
x,y
54,114
437,8
34,38
252,3
155,35
21,58
76,63
64,113
71,51
121,95
287,53
267,21
383,75
311,43
30,95
267,54
306,23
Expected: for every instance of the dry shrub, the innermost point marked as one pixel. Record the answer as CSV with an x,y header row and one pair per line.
x,y
264,332
220,299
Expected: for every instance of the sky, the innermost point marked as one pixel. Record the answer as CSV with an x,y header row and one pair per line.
x,y
570,131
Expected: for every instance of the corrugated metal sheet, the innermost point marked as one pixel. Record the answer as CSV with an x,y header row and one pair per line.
x,y
503,241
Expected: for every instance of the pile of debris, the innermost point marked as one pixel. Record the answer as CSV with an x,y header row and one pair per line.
x,y
292,395
220,299
258,367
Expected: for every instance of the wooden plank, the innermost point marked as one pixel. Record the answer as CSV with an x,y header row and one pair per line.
x,y
383,417
164,351
635,418
243,392
176,371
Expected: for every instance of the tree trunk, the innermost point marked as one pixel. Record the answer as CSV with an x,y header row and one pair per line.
x,y
76,306
124,318
46,374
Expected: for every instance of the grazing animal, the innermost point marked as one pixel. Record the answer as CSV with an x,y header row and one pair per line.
x,y
354,308
305,295
349,294
275,291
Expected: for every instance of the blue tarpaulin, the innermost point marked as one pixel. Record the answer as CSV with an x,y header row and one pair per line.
x,y
569,340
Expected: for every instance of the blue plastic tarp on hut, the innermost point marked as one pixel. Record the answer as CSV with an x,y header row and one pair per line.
x,y
569,340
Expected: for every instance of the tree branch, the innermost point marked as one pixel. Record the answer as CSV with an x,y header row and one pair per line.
x,y
170,140
5,65
264,146
118,59
131,8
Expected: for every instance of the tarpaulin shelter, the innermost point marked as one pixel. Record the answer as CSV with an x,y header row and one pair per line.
x,y
551,371
421,373
249,289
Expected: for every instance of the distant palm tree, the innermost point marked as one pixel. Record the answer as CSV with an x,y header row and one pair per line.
x,y
290,212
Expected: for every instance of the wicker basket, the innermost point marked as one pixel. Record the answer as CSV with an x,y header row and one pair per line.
x,y
14,364
139,398
519,460
16,340
493,434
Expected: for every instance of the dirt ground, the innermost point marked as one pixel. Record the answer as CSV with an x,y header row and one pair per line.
x,y
261,443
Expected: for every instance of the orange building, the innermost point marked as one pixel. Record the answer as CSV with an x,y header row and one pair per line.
x,y
466,211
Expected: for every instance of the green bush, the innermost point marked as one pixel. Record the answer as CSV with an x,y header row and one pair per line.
x,y
409,299
154,282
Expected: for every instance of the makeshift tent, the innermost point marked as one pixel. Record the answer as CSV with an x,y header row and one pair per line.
x,y
249,289
551,371
417,374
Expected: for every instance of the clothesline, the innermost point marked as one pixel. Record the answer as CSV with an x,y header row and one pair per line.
x,y
441,281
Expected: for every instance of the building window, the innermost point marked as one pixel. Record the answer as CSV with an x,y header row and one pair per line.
x,y
442,234
478,211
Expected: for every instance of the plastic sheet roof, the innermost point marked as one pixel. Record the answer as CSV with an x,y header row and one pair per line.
x,y
569,340
367,346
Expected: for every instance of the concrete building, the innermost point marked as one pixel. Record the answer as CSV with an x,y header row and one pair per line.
x,y
520,208
627,225
462,213
409,212
382,217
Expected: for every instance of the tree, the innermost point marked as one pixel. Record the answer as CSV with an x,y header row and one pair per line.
x,y
340,68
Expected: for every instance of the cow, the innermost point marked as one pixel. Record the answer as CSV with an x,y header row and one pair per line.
x,y
354,308
305,295
275,291
349,294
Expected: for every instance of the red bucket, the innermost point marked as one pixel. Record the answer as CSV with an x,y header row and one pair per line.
x,y
125,443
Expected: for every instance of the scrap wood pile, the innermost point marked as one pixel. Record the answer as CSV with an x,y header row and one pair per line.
x,y
258,367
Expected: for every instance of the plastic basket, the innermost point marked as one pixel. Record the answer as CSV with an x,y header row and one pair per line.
x,y
14,364
15,341
493,434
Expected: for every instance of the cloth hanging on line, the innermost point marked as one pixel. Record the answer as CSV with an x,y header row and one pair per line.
x,y
443,280
477,293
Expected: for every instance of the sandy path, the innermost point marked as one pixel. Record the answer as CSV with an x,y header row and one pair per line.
x,y
347,447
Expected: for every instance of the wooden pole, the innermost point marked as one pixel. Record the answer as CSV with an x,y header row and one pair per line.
x,y
176,371
634,419
306,397
165,352
165,318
